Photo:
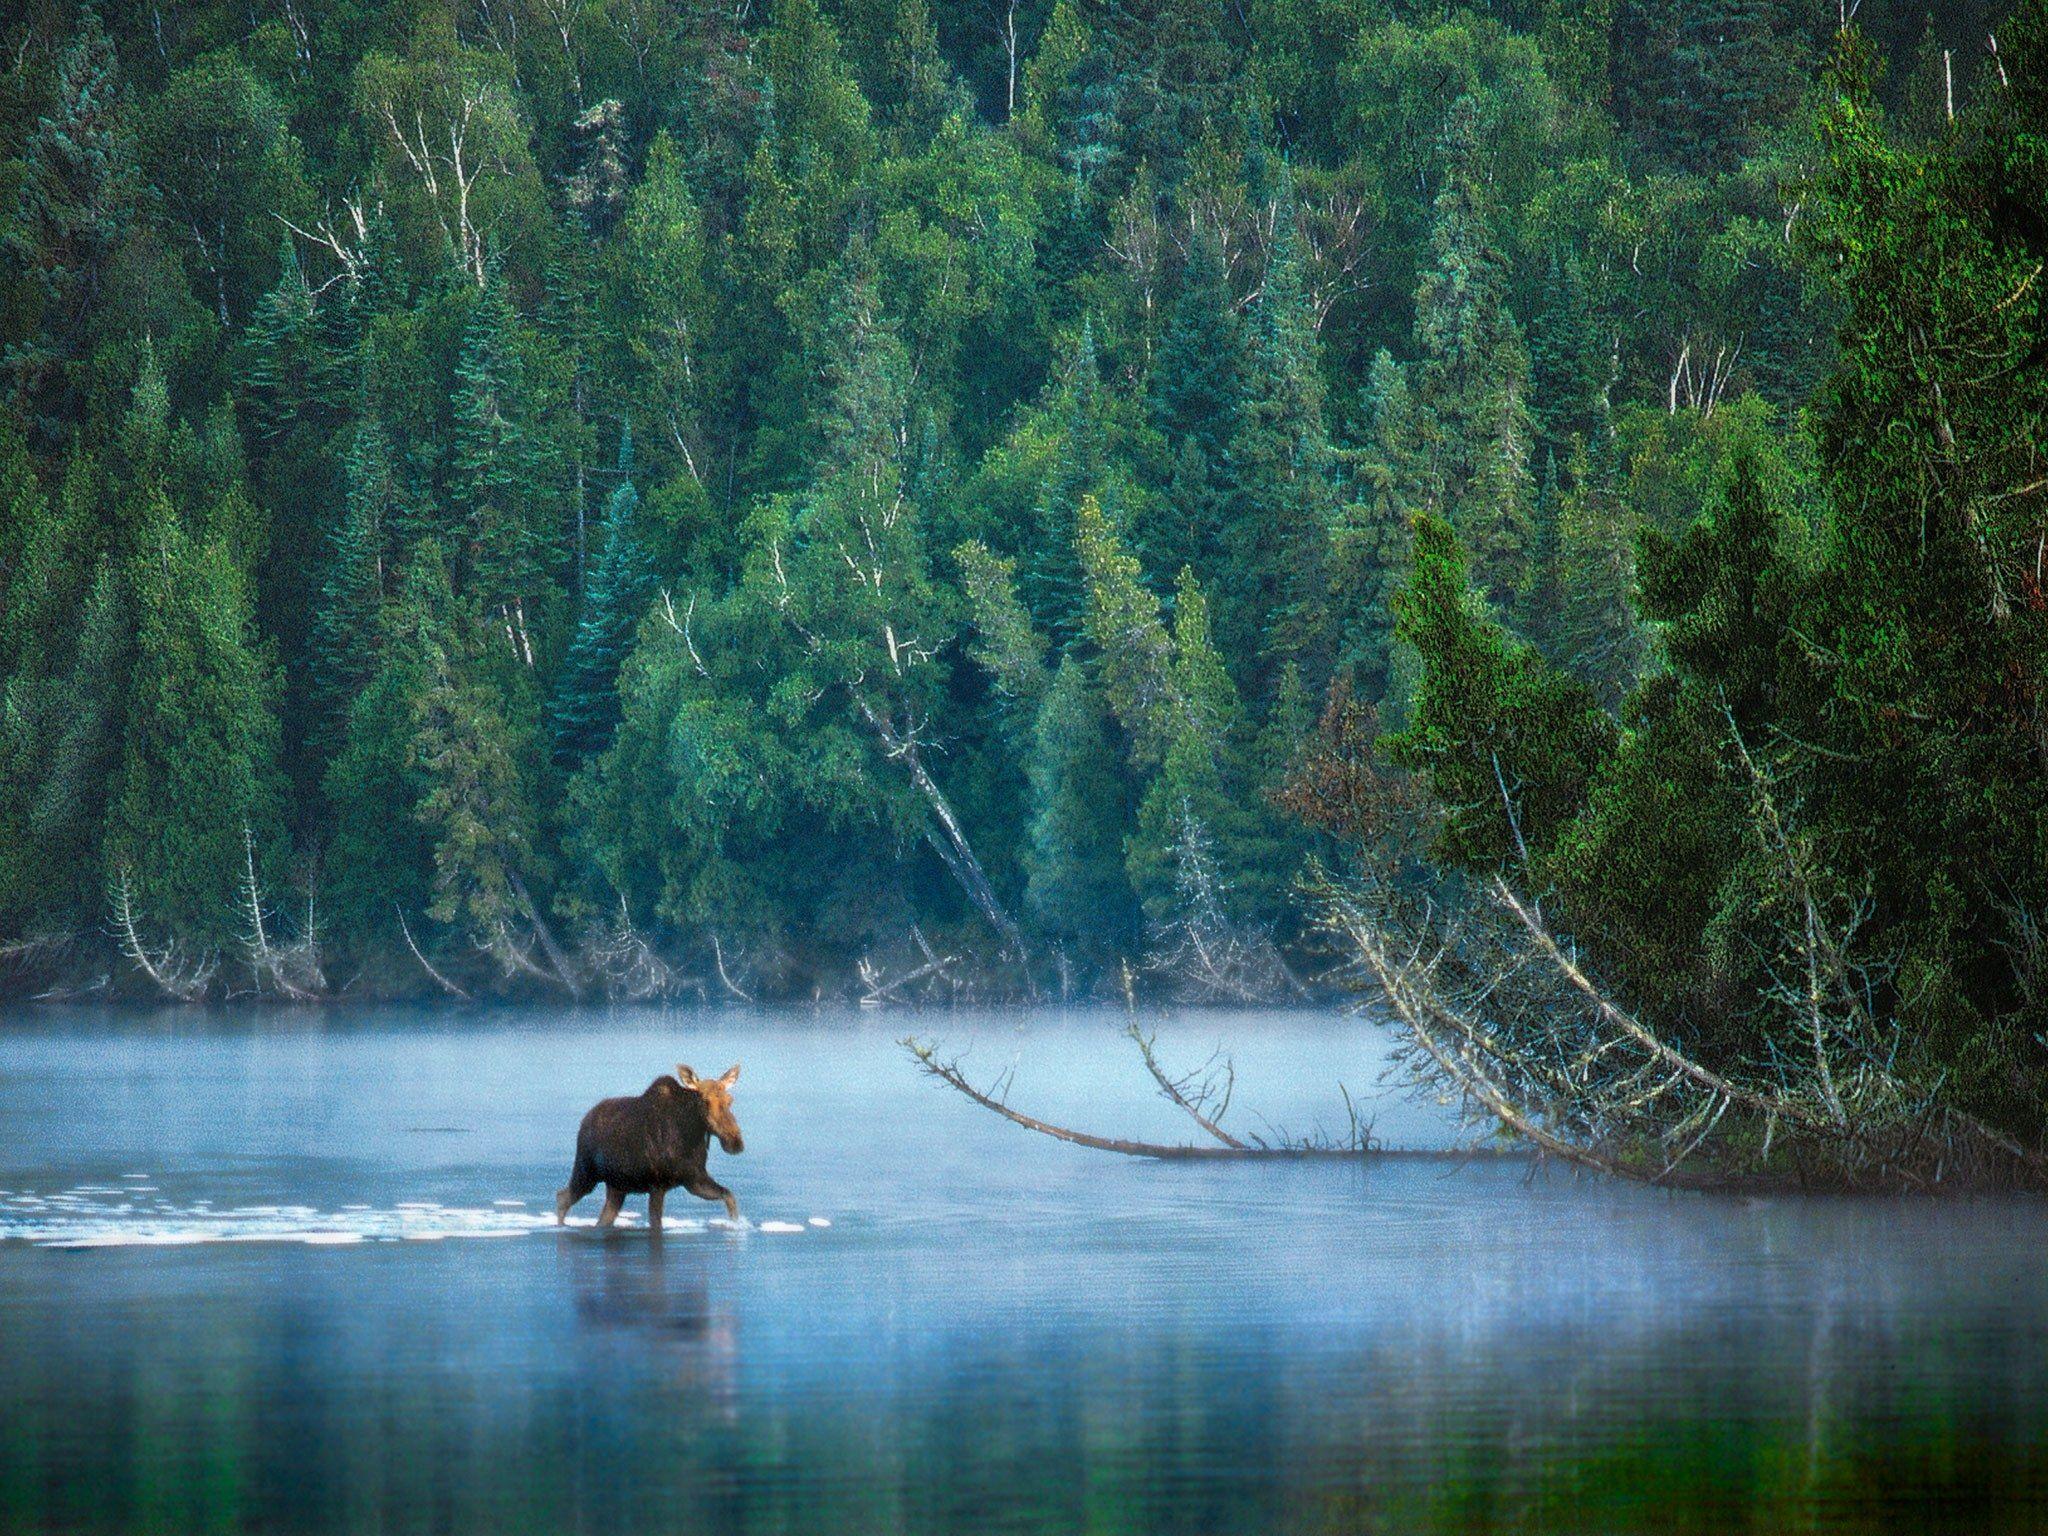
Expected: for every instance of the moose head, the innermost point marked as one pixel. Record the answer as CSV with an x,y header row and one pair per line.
x,y
716,1092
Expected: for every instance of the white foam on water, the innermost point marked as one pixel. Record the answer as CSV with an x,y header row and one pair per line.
x,y
114,1220
820,1221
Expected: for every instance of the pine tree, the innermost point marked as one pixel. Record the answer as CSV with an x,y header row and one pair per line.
x,y
87,709
1473,380
477,812
1509,744
1200,797
1197,401
198,767
665,317
379,857
1273,594
1075,887
1085,466
1123,621
1568,361
500,472
344,630
1177,76
78,188
586,704
1369,549
596,189
1597,635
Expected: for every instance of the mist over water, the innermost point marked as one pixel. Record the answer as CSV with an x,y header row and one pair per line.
x,y
239,1290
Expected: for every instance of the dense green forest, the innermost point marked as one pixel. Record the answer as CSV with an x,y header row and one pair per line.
x,y
645,495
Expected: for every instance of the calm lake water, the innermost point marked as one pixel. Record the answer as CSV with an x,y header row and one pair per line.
x,y
295,1272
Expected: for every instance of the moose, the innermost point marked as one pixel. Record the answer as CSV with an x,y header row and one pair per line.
x,y
654,1143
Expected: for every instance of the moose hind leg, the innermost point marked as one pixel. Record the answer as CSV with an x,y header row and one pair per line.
x,y
655,1199
580,1184
705,1187
613,1199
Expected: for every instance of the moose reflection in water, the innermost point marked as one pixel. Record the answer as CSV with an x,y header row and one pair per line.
x,y
654,1143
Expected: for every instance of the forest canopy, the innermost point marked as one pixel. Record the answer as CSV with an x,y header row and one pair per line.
x,y
828,496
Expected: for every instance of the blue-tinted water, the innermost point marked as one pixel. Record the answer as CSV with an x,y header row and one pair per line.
x,y
280,1309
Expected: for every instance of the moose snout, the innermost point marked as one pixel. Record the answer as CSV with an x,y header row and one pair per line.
x,y
733,1143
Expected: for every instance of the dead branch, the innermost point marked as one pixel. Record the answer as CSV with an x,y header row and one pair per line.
x,y
627,965
183,980
1499,1011
561,973
1195,1091
439,980
881,988
263,957
948,1072
724,976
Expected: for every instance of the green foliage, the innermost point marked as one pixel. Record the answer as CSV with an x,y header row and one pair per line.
x,y
1509,746
586,697
199,756
1075,886
952,337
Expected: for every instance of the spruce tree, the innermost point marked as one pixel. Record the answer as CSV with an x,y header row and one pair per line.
x,y
1084,467
344,630
1369,548
621,583
1197,400
378,862
1273,594
76,204
501,474
1199,802
198,770
1075,889
1473,380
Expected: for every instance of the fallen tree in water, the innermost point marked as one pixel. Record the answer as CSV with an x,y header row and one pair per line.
x,y
1203,1095
1501,1012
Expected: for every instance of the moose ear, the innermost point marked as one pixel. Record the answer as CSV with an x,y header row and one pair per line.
x,y
732,1075
685,1076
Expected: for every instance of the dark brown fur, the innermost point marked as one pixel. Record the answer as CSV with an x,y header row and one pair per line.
x,y
654,1143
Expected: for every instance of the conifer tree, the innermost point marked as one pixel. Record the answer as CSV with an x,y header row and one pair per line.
x,y
1369,548
586,703
1135,650
1274,592
344,630
1085,466
665,316
1199,800
378,860
76,204
198,773
1197,401
500,473
1076,890
1509,744
1473,380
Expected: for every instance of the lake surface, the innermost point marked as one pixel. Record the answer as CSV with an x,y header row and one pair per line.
x,y
297,1272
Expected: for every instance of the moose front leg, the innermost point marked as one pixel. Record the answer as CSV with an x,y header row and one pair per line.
x,y
705,1187
655,1199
